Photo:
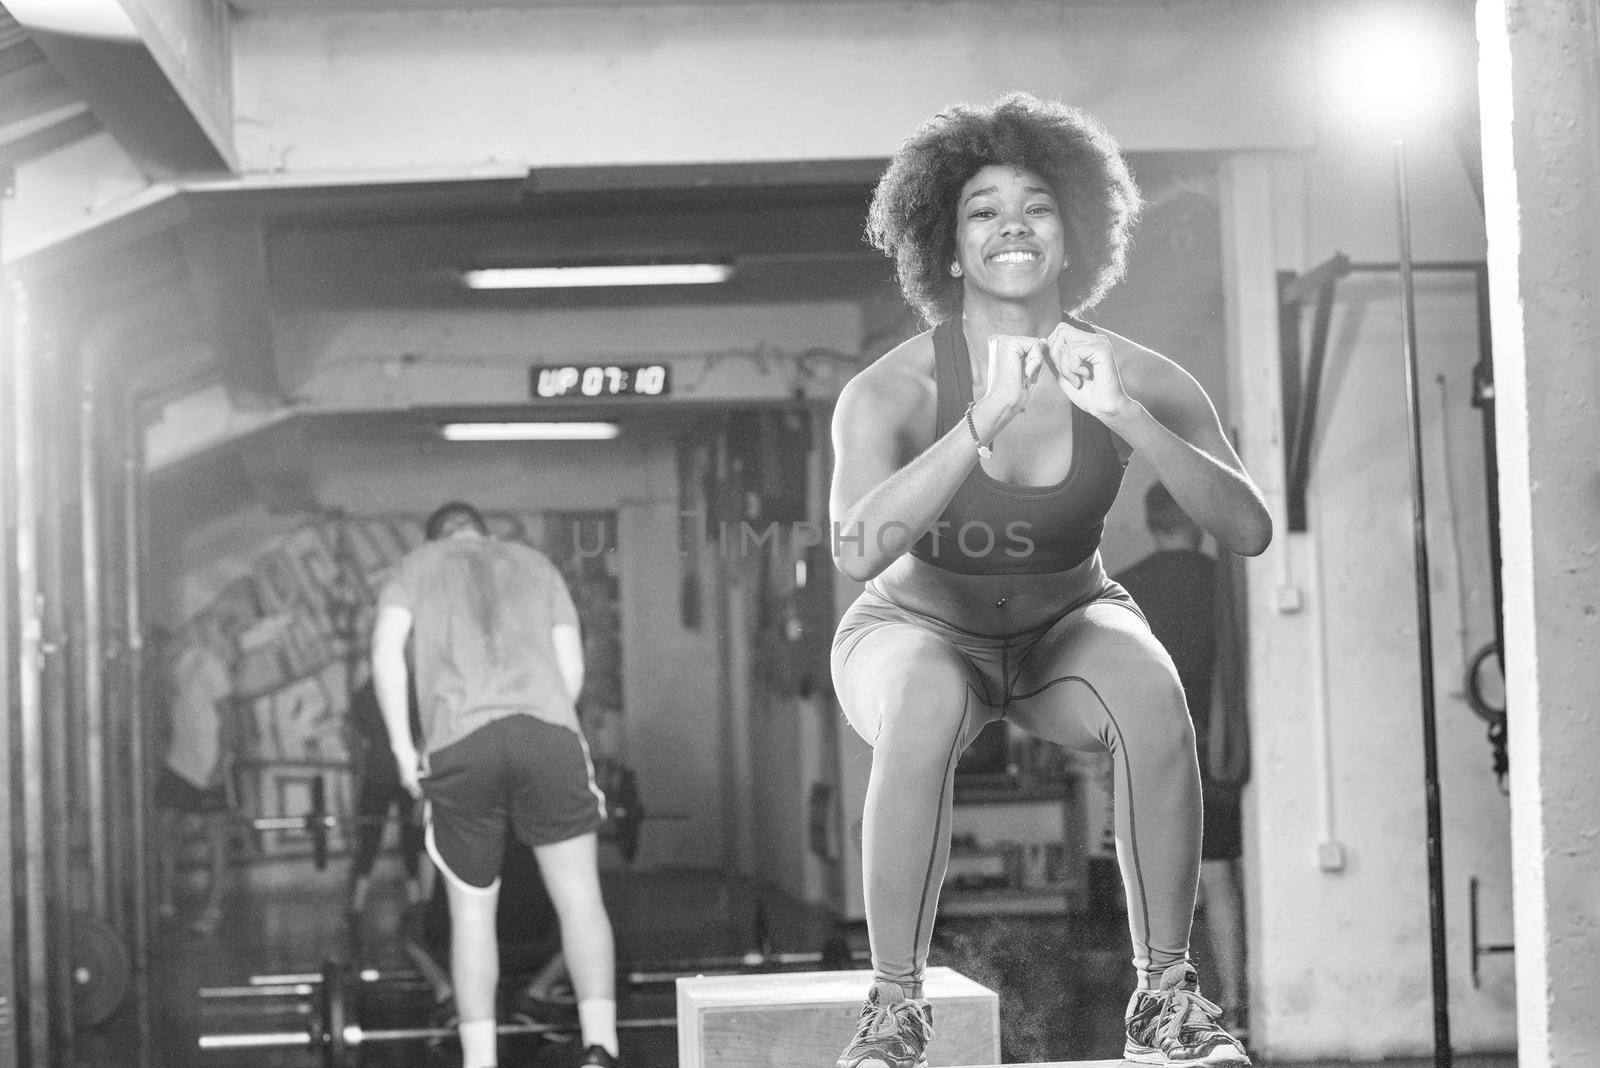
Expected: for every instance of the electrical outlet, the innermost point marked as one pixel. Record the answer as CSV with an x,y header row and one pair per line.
x,y
1289,599
1330,856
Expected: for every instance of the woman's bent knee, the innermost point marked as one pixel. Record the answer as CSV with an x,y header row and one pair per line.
x,y
916,702
925,719
1165,732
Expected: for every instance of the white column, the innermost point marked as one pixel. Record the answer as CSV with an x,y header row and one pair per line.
x,y
1540,97
1281,635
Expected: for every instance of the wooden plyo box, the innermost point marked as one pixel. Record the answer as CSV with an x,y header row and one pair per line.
x,y
805,1019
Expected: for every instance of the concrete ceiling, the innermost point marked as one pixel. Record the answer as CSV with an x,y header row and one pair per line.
x,y
791,234
792,231
389,5
248,247
254,246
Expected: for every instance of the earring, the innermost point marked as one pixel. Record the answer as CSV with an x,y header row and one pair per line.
x,y
955,270
1066,263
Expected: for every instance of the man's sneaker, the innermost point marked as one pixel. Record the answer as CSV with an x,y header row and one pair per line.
x,y
597,1057
893,1031
1176,1027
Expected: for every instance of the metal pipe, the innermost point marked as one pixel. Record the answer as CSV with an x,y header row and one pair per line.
x,y
260,1040
121,865
1483,399
399,982
1330,850
358,1036
9,645
727,588
1310,393
1425,267
1419,537
365,975
58,735
1481,949
138,734
262,990
355,1036
29,708
94,708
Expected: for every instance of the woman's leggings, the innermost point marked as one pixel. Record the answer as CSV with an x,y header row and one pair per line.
x,y
918,691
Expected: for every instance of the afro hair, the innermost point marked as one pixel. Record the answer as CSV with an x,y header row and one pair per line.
x,y
913,213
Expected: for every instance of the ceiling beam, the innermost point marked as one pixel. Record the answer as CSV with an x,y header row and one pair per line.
x,y
170,108
228,277
46,133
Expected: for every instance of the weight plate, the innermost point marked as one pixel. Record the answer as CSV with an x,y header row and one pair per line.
x,y
100,971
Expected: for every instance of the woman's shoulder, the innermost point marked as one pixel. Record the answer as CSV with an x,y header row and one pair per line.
x,y
1144,371
903,376
1126,349
913,356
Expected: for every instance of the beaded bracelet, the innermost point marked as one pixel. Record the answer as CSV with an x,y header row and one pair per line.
x,y
985,450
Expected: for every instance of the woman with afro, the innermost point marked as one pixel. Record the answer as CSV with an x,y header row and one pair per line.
x,y
975,464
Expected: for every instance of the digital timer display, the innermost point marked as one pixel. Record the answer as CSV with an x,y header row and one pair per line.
x,y
601,380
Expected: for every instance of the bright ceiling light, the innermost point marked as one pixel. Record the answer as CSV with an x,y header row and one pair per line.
x,y
528,431
1389,68
642,274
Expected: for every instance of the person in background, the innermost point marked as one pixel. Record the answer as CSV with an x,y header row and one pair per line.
x,y
192,795
974,466
498,658
1176,588
378,791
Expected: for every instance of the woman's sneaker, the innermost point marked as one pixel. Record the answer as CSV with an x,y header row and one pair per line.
x,y
1174,1026
893,1031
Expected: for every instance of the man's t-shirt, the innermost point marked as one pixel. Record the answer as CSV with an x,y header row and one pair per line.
x,y
482,611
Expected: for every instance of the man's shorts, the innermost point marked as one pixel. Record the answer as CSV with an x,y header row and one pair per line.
x,y
175,792
534,774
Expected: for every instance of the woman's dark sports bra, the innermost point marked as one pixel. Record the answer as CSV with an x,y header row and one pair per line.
x,y
997,528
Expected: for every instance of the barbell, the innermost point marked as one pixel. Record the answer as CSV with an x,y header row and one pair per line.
x,y
304,984
624,818
835,955
334,1030
317,822
101,970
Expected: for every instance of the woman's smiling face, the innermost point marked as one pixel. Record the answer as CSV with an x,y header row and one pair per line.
x,y
1010,242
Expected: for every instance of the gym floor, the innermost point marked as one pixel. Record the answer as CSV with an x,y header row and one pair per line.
x,y
1062,980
